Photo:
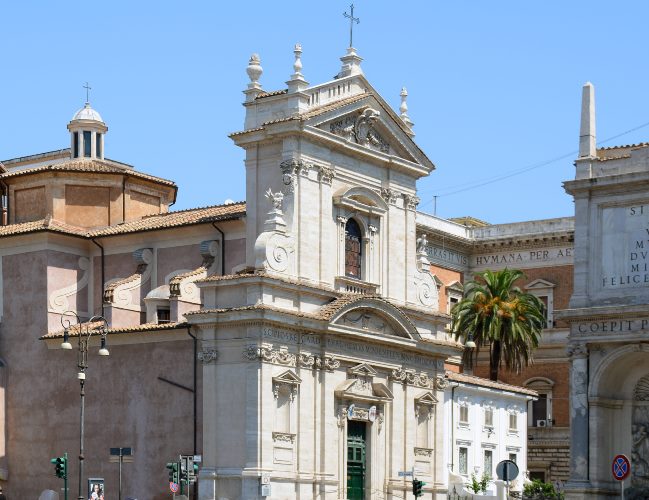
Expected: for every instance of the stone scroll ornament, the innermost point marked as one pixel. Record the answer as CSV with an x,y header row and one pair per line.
x,y
119,292
59,302
427,288
182,285
274,247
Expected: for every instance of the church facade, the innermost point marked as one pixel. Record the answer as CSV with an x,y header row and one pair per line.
x,y
299,339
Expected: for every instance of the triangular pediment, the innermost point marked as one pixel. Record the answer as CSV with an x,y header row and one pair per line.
x,y
363,370
350,119
456,286
427,399
367,126
287,377
539,284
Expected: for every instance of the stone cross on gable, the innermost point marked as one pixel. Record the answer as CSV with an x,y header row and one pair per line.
x,y
352,20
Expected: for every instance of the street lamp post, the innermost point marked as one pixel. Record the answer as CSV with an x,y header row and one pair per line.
x,y
85,332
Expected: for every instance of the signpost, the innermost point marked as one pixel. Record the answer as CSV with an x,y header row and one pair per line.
x,y
621,469
507,470
121,455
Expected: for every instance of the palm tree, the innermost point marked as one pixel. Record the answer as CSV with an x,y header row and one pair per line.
x,y
495,312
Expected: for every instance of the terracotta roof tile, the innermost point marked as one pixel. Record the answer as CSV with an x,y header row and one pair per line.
x,y
47,224
90,166
73,332
271,93
148,223
483,382
175,219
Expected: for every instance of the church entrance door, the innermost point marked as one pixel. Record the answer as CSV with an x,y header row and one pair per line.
x,y
355,460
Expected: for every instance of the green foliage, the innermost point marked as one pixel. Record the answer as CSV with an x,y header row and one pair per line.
x,y
479,485
494,312
541,491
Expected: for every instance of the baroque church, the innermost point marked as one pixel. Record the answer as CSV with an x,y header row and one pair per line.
x,y
298,341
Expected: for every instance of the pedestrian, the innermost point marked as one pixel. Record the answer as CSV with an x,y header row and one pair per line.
x,y
2,495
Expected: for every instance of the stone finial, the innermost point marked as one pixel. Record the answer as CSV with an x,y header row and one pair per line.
x,y
297,83
254,71
297,65
587,137
404,109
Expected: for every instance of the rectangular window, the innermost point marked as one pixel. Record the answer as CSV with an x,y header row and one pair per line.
x,y
488,417
464,414
464,460
164,315
537,475
544,300
488,462
87,143
76,145
512,457
452,301
98,145
540,410
513,422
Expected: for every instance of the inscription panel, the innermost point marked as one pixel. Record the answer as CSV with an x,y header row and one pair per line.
x,y
625,247
541,257
608,326
448,258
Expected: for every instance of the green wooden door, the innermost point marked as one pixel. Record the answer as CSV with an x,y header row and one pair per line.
x,y
355,460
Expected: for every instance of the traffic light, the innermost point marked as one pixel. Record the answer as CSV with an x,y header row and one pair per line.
x,y
417,486
184,470
61,466
194,472
173,467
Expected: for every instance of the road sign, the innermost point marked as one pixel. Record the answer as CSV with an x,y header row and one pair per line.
x,y
405,473
507,470
198,459
621,467
174,487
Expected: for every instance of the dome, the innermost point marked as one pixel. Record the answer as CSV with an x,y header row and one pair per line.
x,y
87,113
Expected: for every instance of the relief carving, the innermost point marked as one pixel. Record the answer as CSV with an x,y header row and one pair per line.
x,y
411,377
267,354
361,130
207,356
640,436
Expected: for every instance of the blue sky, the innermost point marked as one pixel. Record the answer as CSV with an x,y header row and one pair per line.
x,y
494,87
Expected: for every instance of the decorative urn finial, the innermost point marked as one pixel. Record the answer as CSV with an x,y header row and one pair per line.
x,y
254,71
403,108
297,65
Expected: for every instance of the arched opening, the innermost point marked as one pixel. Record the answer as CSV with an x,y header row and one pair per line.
x,y
353,249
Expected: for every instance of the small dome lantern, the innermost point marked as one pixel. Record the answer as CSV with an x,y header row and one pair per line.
x,y
87,131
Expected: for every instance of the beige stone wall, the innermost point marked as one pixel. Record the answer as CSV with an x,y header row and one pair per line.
x,y
140,204
87,206
29,204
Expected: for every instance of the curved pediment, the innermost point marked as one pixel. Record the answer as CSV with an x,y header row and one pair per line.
x,y
362,199
373,315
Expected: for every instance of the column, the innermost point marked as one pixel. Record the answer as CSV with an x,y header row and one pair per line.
x,y
579,445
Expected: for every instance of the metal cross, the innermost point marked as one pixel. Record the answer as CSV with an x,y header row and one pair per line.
x,y
352,19
88,89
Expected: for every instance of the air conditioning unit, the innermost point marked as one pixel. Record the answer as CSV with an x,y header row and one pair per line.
x,y
541,423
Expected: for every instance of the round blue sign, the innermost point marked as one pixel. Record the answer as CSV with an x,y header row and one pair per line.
x,y
621,467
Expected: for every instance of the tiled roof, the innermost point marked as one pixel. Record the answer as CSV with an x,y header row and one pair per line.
x,y
148,223
73,332
175,219
483,382
90,166
271,93
625,146
47,224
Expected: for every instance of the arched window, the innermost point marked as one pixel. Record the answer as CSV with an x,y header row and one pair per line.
x,y
353,249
